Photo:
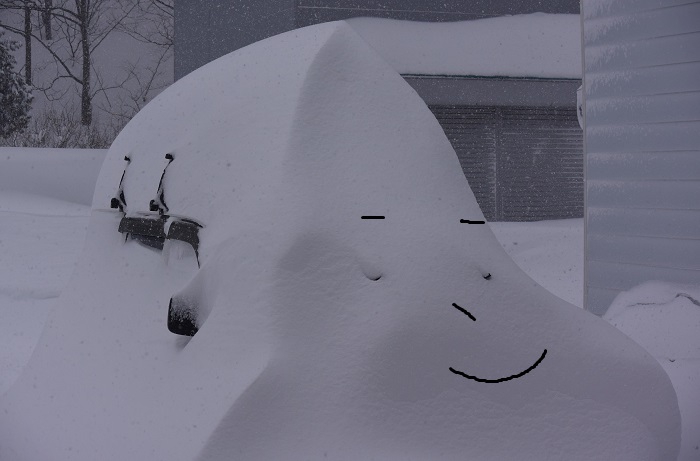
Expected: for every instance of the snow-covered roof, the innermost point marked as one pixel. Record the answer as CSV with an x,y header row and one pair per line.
x,y
532,45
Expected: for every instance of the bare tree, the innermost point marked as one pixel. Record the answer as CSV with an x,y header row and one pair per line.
x,y
83,25
46,19
152,23
27,44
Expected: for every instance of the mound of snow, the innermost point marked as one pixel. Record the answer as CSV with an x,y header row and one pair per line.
x,y
321,334
665,319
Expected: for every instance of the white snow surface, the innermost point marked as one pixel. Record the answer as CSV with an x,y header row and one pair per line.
x,y
665,319
536,45
279,150
551,252
40,240
64,175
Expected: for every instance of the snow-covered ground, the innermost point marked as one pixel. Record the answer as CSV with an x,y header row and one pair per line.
x,y
40,241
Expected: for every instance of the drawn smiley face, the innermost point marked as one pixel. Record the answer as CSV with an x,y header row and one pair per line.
x,y
468,314
464,311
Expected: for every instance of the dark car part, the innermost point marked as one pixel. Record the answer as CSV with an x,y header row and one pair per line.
x,y
182,318
120,201
151,231
148,231
158,203
186,231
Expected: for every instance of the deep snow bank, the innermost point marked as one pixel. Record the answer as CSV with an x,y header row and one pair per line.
x,y
321,334
63,174
664,318
43,193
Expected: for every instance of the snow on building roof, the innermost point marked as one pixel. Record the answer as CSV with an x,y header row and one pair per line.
x,y
532,45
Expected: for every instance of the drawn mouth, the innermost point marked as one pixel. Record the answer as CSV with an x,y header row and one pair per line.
x,y
500,380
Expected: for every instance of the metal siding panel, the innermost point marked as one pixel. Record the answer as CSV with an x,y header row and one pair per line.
x,y
620,276
649,137
635,23
606,8
644,109
650,81
655,51
668,195
669,253
680,165
642,103
643,222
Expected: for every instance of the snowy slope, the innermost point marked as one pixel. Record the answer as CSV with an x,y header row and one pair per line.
x,y
551,252
321,334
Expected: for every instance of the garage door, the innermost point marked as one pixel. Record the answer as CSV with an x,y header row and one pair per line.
x,y
522,163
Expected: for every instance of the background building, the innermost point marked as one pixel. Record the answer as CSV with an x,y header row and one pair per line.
x,y
208,29
516,133
642,131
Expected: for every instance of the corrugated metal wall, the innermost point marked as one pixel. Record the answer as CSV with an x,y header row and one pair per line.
x,y
473,134
642,131
522,163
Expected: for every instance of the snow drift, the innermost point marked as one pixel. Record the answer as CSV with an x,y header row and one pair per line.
x,y
62,174
664,318
321,334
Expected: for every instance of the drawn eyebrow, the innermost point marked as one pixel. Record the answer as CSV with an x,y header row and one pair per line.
x,y
464,311
372,217
500,380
